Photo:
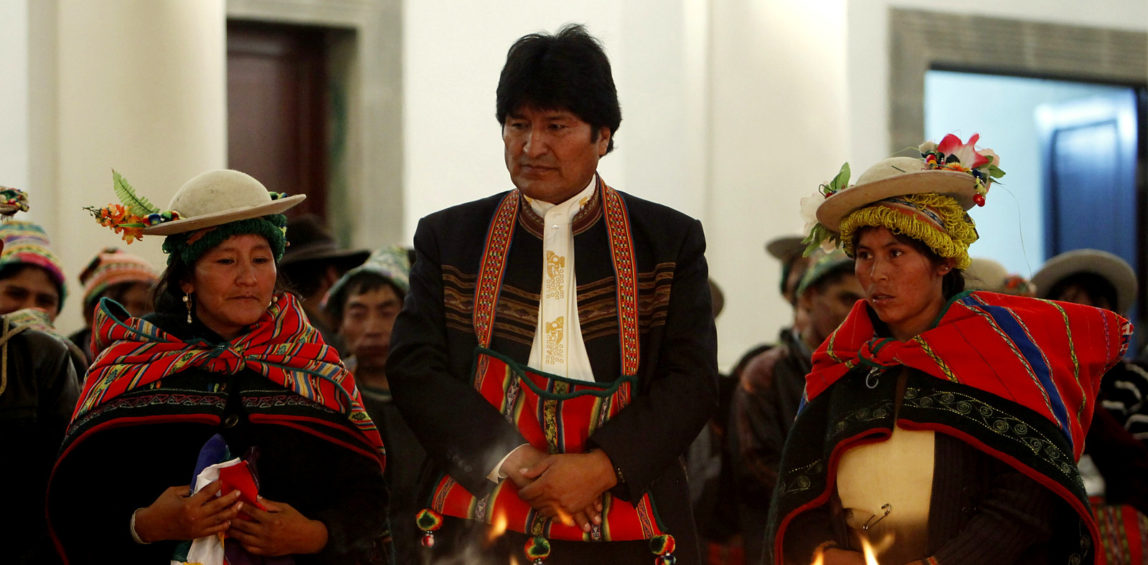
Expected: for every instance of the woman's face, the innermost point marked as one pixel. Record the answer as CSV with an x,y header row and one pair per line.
x,y
902,284
232,284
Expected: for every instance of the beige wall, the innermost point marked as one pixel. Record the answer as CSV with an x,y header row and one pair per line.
x,y
140,88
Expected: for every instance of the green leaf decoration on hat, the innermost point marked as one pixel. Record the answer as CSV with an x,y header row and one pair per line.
x,y
839,182
819,235
136,204
133,214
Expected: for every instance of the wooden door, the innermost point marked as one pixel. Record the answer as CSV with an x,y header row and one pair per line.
x,y
276,106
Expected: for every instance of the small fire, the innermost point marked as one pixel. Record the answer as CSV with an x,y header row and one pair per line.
x,y
497,527
563,517
867,551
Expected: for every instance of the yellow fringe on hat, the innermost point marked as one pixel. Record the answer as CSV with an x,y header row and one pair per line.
x,y
961,230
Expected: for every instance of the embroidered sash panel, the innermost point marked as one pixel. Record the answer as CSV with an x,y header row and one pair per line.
x,y
556,415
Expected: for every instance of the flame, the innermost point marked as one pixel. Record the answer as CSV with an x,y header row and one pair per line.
x,y
497,527
563,517
818,557
513,560
867,551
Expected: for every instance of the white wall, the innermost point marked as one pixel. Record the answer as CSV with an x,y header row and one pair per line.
x,y
778,124
14,143
142,89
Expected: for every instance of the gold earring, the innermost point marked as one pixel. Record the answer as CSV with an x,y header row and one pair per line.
x,y
187,304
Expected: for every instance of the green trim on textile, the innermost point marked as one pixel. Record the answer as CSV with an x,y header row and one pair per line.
x,y
189,246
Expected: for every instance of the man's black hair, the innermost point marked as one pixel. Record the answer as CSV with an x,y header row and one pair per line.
x,y
359,283
566,71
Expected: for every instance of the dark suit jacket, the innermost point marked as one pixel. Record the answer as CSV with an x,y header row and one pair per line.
x,y
433,344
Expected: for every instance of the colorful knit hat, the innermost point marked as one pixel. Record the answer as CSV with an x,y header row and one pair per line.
x,y
113,266
391,263
27,243
205,211
921,198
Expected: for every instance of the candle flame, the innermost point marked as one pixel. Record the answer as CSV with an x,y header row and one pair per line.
x,y
867,551
497,527
818,557
563,517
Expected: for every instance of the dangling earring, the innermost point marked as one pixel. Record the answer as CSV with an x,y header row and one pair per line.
x,y
187,304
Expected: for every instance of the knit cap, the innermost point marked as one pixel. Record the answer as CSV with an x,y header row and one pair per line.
x,y
111,267
26,242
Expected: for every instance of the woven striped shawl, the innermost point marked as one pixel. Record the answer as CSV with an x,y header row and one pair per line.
x,y
282,346
1045,355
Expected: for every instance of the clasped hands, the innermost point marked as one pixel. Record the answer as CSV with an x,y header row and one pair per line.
x,y
567,486
278,530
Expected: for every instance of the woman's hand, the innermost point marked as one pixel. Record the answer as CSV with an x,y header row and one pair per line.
x,y
279,530
177,516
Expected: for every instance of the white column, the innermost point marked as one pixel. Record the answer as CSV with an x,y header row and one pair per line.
x,y
141,87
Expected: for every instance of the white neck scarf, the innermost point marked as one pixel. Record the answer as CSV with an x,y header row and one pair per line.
x,y
558,347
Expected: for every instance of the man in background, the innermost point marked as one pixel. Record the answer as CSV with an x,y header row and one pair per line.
x,y
769,392
311,264
364,303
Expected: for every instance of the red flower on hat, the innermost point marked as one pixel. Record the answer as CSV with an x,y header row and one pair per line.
x,y
965,153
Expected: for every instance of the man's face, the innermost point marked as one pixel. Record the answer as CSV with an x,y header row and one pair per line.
x,y
829,305
366,326
550,154
32,287
1078,294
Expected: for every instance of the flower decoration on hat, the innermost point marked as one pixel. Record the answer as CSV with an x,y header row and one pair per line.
x,y
954,155
12,200
923,197
133,214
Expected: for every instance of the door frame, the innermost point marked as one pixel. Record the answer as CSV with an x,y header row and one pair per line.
x,y
365,163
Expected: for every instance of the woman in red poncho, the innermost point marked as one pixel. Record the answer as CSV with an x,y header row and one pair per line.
x,y
939,425
227,357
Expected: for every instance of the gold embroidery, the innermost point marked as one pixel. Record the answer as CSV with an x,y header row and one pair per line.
x,y
555,285
554,341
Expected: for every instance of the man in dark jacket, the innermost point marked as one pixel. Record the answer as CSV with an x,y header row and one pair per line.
x,y
592,310
769,392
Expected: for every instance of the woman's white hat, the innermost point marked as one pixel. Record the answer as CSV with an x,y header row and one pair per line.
x,y
218,197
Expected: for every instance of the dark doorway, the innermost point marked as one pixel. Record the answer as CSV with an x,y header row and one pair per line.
x,y
276,106
1089,146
